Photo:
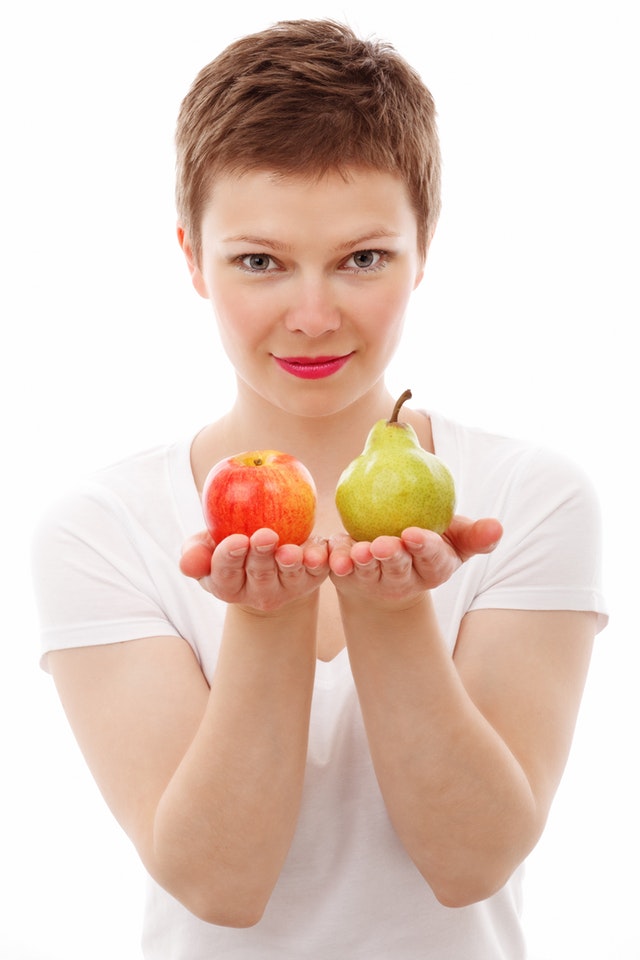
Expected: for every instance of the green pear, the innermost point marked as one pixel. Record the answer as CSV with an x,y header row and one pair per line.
x,y
394,484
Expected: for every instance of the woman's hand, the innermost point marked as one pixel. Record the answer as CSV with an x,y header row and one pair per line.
x,y
255,571
401,568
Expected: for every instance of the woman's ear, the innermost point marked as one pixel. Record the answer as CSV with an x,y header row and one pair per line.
x,y
423,261
194,270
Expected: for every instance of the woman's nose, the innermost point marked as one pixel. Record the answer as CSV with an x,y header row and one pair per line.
x,y
313,309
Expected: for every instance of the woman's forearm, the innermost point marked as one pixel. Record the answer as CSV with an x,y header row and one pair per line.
x,y
226,819
459,801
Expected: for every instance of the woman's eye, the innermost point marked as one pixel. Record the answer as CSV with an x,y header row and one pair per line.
x,y
256,262
366,260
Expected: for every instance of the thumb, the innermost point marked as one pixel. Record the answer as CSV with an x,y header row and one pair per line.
x,y
469,537
195,561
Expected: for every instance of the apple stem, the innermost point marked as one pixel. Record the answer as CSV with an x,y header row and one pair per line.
x,y
257,462
396,410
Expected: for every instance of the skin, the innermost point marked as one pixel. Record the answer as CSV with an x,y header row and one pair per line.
x,y
469,749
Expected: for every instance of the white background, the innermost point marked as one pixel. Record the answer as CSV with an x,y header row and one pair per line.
x,y
525,324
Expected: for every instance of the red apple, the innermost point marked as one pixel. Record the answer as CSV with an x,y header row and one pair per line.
x,y
260,488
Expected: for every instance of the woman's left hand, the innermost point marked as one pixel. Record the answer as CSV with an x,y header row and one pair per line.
x,y
400,568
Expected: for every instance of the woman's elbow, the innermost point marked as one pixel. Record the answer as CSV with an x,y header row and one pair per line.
x,y
239,916
219,908
465,893
471,885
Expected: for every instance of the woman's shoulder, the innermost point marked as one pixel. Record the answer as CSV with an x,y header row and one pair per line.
x,y
471,447
496,471
147,486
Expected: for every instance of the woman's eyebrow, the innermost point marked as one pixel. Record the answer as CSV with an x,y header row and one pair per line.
x,y
371,236
374,234
258,241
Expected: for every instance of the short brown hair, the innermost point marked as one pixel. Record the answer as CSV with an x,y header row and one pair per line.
x,y
306,97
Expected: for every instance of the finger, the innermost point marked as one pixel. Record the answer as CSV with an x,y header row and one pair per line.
x,y
195,560
289,555
340,562
386,548
315,555
394,559
234,548
289,562
229,557
264,540
225,576
361,553
260,563
419,541
470,537
433,557
366,565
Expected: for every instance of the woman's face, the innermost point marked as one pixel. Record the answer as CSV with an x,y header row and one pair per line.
x,y
309,281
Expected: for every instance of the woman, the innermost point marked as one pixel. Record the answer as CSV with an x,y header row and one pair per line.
x,y
337,749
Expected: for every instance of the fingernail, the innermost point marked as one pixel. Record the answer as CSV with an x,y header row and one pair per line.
x,y
239,552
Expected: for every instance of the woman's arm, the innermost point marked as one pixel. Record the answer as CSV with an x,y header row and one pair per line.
x,y
207,782
468,751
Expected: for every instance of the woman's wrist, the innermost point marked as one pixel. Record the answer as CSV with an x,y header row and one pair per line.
x,y
367,608
300,608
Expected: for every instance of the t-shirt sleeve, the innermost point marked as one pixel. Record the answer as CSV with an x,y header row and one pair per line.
x,y
91,579
550,556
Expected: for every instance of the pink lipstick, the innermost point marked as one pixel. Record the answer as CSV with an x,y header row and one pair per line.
x,y
312,368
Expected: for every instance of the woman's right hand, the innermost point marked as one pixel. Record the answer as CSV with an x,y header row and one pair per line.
x,y
256,572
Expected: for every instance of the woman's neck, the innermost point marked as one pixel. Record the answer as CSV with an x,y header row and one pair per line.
x,y
325,444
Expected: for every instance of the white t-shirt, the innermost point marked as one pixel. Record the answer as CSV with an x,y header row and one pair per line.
x,y
106,571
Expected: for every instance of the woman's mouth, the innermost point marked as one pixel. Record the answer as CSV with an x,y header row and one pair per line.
x,y
312,368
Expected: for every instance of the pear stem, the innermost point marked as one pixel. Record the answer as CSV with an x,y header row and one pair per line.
x,y
396,410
